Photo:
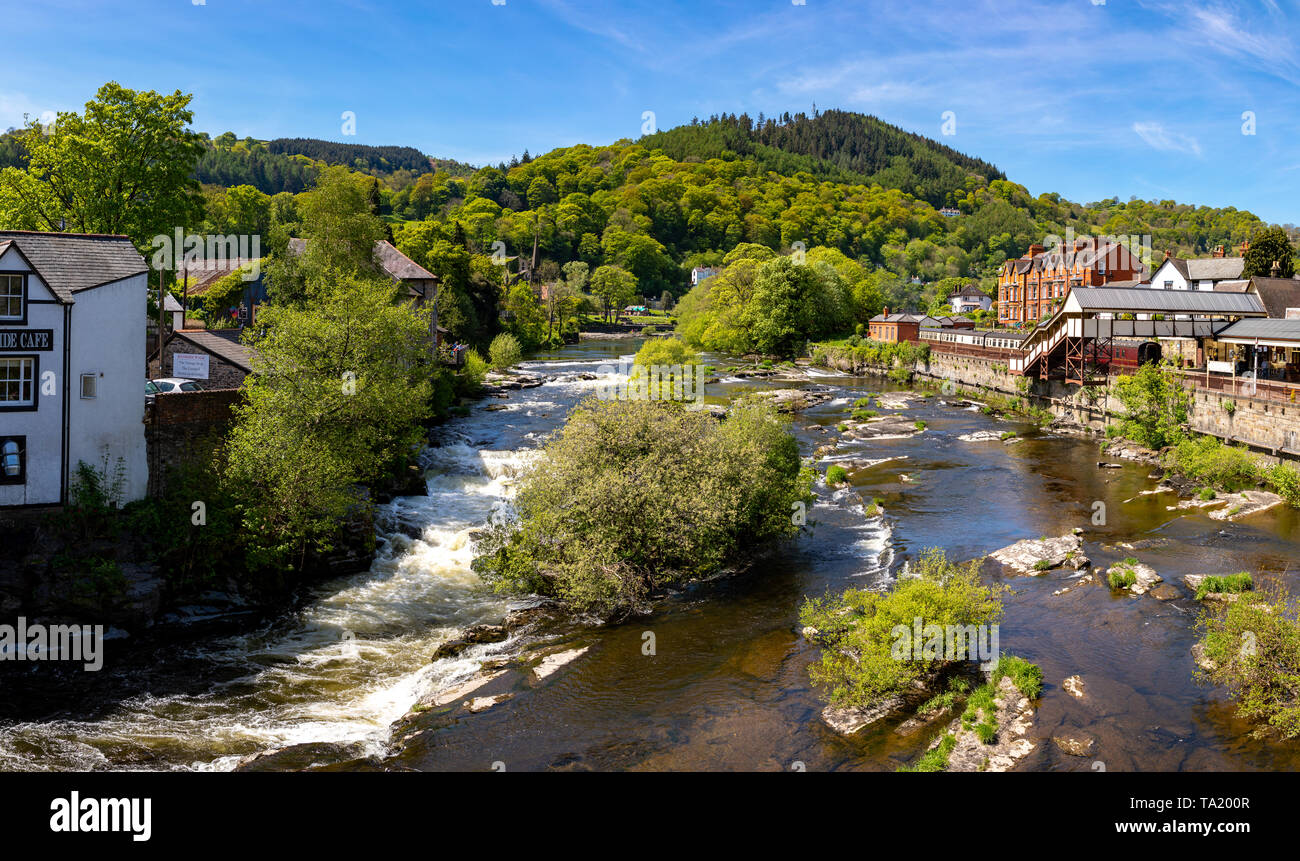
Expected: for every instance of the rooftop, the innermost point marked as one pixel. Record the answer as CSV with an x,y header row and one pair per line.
x,y
71,262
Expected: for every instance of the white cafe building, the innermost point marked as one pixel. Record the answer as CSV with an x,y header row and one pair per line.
x,y
72,338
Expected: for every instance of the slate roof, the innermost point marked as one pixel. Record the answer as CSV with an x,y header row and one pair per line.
x,y
72,262
1278,294
395,263
1266,330
199,277
1172,301
223,344
1205,268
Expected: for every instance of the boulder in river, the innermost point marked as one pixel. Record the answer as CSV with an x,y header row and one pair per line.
x,y
1040,555
471,636
1075,742
1015,716
795,400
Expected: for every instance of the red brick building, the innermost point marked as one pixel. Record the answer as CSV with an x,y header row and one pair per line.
x,y
1035,285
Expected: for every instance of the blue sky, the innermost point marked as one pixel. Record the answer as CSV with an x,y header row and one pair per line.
x,y
1087,98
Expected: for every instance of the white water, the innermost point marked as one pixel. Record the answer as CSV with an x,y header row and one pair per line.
x,y
353,661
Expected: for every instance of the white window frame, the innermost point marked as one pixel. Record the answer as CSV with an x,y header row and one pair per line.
x,y
21,316
31,362
93,377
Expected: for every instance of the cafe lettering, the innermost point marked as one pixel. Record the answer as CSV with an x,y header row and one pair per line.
x,y
20,340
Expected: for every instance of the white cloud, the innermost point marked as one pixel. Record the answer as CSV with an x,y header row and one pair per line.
x,y
1160,138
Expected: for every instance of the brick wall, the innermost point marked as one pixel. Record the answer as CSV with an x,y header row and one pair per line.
x,y
184,426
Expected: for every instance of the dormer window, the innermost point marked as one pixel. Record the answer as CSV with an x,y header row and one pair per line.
x,y
13,295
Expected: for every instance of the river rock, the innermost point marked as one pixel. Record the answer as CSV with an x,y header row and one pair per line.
x,y
471,636
795,400
1075,742
553,662
1145,574
1015,716
1246,503
1040,555
885,427
1202,661
849,721
1074,687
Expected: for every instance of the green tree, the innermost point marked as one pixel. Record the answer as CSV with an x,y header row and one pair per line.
x,y
636,495
1155,406
614,286
123,166
1267,248
334,402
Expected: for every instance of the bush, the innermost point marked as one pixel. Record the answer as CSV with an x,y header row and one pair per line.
x,y
1207,461
1254,651
1284,478
836,475
1121,578
634,495
857,628
505,351
1156,406
475,370
1229,584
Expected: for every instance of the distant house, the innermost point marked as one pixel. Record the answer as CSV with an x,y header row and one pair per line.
x,y
71,369
1177,273
216,358
969,299
700,273
198,278
949,212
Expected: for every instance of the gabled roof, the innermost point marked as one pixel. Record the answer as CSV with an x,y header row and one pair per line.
x,y
71,262
971,290
199,277
1125,299
1277,294
1205,268
225,345
397,265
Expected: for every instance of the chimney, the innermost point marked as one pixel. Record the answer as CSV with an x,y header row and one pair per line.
x,y
1219,251
1168,254
1277,269
886,311
1243,248
1034,250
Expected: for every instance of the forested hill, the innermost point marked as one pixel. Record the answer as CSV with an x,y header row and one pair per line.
x,y
290,164
834,145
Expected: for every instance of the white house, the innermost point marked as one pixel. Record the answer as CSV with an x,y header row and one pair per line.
x,y
72,337
702,273
1177,273
970,298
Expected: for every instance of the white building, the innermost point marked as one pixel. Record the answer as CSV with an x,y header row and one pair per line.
x,y
702,273
969,299
1177,273
72,339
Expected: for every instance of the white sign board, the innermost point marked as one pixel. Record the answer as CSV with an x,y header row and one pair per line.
x,y
1219,367
190,366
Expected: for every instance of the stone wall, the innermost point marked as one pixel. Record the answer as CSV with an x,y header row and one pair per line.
x,y
221,374
184,426
1269,427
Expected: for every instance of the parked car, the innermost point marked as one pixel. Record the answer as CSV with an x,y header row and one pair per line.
x,y
170,384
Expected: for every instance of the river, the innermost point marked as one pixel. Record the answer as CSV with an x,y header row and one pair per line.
x,y
727,685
